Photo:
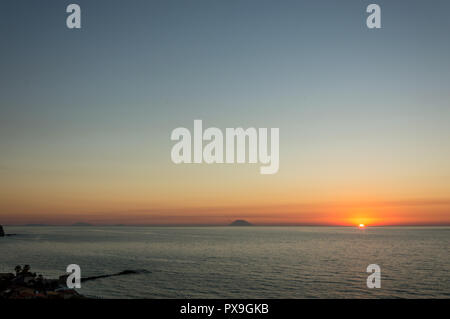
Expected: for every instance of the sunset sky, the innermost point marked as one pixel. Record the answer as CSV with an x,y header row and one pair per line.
x,y
86,115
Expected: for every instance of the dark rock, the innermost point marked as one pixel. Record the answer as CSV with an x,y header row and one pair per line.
x,y
5,280
2,233
6,276
125,272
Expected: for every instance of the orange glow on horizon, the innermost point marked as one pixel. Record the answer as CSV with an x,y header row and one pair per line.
x,y
324,214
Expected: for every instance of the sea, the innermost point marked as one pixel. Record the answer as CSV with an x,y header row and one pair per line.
x,y
238,262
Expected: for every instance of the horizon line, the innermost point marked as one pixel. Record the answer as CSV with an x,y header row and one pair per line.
x,y
86,224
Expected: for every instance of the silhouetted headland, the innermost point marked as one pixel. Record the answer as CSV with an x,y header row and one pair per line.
x,y
240,222
3,233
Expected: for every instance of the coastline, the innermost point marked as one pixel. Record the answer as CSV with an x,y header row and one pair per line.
x,y
27,285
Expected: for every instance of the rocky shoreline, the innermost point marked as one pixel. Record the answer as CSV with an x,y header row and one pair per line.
x,y
27,285
24,284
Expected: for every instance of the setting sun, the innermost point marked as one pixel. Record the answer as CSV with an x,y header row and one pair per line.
x,y
362,226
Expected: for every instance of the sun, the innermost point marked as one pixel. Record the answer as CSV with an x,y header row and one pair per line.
x,y
362,226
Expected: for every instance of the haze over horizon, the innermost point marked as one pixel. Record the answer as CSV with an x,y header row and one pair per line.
x,y
86,115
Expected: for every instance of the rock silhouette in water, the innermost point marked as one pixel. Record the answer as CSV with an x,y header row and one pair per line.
x,y
125,272
3,234
240,222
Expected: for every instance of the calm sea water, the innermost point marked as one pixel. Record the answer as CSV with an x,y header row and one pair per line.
x,y
249,262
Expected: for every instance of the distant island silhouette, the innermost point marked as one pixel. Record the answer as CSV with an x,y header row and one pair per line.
x,y
37,225
240,222
81,224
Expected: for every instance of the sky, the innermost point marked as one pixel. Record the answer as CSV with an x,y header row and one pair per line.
x,y
86,115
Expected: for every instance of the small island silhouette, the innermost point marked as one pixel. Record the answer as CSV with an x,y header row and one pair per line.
x,y
240,222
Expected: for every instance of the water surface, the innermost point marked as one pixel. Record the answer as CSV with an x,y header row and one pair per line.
x,y
240,262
